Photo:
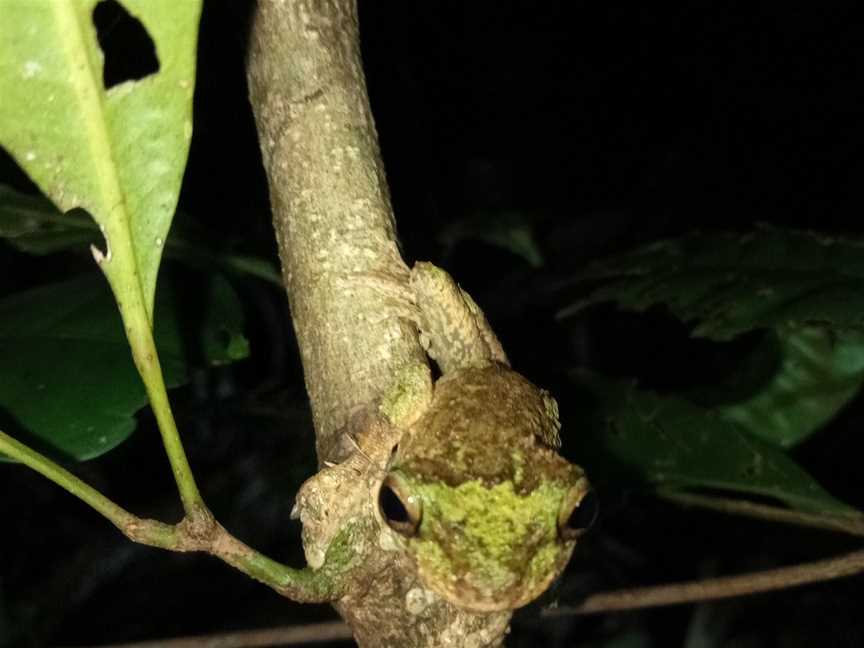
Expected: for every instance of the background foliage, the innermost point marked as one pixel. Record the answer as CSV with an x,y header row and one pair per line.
x,y
524,149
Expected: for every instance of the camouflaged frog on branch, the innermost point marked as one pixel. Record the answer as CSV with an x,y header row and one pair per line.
x,y
463,479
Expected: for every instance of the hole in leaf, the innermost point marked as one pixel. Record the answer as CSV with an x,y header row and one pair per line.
x,y
129,51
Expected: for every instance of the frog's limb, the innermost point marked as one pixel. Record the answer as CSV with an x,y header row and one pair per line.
x,y
336,505
338,498
453,329
408,396
457,336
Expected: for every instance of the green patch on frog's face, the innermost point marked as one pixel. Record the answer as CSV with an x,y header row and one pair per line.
x,y
488,548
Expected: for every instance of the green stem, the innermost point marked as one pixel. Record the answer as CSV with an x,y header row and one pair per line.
x,y
199,532
62,477
151,373
120,270
148,532
306,585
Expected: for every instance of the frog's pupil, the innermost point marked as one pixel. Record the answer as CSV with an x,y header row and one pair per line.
x,y
585,513
391,506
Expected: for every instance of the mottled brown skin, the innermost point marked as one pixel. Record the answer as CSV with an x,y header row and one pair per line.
x,y
479,409
473,459
488,490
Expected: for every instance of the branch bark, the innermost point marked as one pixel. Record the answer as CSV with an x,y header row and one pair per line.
x,y
331,206
347,283
722,587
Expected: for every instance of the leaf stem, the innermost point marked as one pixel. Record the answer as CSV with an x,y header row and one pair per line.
x,y
198,531
851,524
119,266
151,374
710,589
62,477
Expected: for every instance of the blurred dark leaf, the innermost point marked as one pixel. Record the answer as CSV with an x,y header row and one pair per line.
x,y
728,284
33,225
807,289
817,375
666,441
68,379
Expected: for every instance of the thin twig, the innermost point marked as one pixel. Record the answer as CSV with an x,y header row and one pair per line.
x,y
852,524
197,531
848,564
18,451
285,636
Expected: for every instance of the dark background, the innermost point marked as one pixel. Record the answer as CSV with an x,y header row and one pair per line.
x,y
602,126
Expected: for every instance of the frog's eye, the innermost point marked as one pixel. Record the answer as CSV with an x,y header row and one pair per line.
x,y
400,509
578,511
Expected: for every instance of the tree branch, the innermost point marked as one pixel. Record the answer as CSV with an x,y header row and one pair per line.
x,y
853,525
631,599
842,566
197,531
287,636
331,206
347,287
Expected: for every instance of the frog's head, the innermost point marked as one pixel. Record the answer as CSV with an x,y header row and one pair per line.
x,y
485,507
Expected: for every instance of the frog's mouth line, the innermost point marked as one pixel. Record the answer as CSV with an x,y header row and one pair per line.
x,y
470,598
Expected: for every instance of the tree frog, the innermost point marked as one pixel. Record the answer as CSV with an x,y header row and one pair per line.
x,y
464,484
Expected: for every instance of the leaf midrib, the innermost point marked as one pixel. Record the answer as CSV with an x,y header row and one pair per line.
x,y
91,99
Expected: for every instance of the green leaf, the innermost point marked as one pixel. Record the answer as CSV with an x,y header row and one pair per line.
x,y
222,340
808,289
817,376
659,441
118,153
729,284
68,379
